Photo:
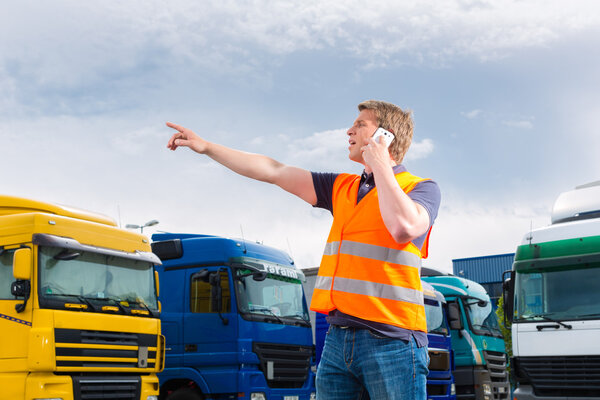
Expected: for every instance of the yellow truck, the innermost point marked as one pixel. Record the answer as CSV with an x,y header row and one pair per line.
x,y
79,315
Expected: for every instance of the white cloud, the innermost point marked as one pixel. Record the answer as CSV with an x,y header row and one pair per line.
x,y
327,150
81,44
136,142
423,32
471,114
519,124
257,141
419,150
8,88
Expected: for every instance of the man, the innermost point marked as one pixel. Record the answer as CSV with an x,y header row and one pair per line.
x,y
369,281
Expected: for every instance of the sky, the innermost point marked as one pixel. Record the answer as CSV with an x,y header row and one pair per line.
x,y
504,95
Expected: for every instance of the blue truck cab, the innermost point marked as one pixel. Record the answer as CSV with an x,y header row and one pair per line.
x,y
235,320
479,353
440,381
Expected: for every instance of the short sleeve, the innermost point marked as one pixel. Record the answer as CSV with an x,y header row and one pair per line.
x,y
323,183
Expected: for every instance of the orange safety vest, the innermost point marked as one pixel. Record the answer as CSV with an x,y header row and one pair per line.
x,y
364,272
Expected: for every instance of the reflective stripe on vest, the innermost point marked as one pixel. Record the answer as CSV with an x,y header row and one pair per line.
x,y
373,252
374,289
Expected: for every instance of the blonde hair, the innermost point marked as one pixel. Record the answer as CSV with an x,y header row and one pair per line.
x,y
395,120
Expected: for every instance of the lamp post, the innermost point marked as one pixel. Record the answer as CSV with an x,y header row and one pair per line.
x,y
141,227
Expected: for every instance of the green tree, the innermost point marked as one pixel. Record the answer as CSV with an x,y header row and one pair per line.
x,y
506,333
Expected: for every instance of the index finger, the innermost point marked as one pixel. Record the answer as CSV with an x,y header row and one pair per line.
x,y
175,126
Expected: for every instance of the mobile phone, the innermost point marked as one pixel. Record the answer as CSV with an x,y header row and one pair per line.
x,y
387,136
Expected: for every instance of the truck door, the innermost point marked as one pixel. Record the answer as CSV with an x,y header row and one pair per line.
x,y
209,326
14,325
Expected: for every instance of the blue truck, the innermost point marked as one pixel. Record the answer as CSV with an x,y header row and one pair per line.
x,y
479,353
440,382
235,320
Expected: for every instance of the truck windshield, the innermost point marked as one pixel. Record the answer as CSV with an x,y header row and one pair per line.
x,y
435,317
278,298
482,317
95,280
563,293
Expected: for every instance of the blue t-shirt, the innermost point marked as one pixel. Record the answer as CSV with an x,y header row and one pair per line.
x,y
425,193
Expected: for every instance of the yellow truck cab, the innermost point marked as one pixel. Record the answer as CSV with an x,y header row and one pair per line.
x,y
79,315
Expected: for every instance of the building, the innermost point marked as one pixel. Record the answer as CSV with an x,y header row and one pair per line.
x,y
486,270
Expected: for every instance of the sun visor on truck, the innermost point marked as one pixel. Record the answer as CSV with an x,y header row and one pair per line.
x,y
44,239
268,267
168,249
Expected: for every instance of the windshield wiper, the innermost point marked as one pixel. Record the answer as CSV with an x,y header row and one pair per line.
x,y
540,327
300,320
480,326
140,304
268,310
79,297
493,331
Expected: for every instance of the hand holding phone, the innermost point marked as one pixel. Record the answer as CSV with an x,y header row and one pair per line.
x,y
387,136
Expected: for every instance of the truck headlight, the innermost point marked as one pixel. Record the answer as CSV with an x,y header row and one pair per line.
x,y
258,396
48,398
487,389
152,397
313,396
453,389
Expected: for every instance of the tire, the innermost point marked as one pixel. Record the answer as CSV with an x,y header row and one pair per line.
x,y
185,394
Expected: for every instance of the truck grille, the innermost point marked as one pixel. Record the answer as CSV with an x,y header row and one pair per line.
x,y
439,360
114,388
437,390
81,349
284,366
573,376
496,364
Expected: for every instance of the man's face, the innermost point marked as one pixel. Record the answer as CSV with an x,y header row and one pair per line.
x,y
359,134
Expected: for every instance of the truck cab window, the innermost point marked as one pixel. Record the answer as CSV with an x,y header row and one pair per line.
x,y
6,274
435,317
200,295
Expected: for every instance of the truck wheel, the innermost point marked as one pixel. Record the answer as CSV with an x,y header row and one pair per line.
x,y
184,394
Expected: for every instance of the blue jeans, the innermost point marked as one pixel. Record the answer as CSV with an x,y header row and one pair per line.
x,y
359,364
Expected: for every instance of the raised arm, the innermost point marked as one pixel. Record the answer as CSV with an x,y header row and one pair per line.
x,y
294,180
404,219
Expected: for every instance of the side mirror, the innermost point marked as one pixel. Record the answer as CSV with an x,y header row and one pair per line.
x,y
259,276
22,273
22,264
454,316
216,292
20,288
156,283
202,275
508,292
